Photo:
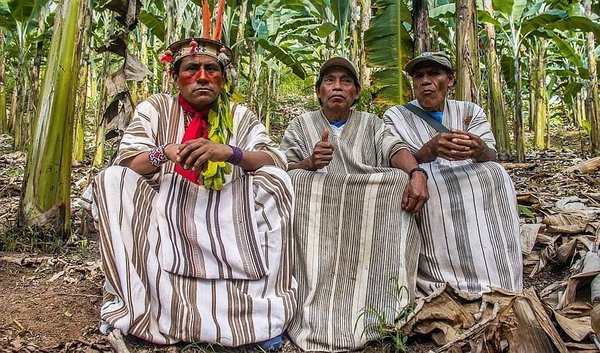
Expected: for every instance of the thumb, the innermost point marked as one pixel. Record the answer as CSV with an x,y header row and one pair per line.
x,y
325,136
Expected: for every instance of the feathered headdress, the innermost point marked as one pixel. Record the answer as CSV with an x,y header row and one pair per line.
x,y
205,45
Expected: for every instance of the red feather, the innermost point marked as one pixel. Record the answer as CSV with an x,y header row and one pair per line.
x,y
219,23
205,19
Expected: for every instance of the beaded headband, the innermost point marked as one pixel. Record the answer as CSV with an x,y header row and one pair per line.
x,y
196,46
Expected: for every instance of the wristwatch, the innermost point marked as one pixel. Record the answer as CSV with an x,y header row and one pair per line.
x,y
418,169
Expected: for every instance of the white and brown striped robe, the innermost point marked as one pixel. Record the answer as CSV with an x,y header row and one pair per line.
x,y
183,263
354,246
470,225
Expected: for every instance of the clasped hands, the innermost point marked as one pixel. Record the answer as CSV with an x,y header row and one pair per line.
x,y
194,154
456,145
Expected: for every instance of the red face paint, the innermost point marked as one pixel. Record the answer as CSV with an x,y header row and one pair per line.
x,y
200,80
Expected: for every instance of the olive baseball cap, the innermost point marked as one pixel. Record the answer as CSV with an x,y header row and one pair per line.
x,y
339,61
438,57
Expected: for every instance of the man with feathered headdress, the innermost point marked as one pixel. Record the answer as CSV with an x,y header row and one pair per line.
x,y
194,215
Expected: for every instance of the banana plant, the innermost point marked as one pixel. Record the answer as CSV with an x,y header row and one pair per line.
x,y
45,201
515,22
389,47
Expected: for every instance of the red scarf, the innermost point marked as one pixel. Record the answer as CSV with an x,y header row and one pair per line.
x,y
198,128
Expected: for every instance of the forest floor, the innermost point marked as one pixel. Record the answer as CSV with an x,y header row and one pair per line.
x,y
50,294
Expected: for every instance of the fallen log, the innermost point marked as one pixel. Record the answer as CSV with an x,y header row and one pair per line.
x,y
588,167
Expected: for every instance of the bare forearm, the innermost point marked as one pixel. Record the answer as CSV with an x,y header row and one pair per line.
x,y
141,164
404,160
253,160
304,164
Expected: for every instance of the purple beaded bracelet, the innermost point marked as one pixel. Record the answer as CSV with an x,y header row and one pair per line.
x,y
236,157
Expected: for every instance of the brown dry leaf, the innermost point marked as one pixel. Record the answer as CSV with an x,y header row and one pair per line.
x,y
577,329
568,222
441,315
580,280
529,233
595,319
565,252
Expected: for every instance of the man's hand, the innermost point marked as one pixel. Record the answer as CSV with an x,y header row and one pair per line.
x,y
193,154
457,145
322,153
415,194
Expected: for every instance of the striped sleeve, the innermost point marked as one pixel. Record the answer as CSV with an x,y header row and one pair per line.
x,y
140,135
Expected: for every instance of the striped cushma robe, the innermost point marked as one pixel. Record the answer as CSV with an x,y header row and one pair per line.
x,y
184,263
355,249
470,225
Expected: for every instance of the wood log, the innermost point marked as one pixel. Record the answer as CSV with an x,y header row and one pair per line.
x,y
588,167
115,338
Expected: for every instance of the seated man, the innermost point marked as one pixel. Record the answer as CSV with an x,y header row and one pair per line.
x,y
355,247
194,218
470,225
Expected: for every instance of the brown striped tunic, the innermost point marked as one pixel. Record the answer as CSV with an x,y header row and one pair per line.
x,y
355,249
183,263
470,225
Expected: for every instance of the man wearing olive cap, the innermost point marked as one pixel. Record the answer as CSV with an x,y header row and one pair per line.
x,y
194,215
470,225
357,188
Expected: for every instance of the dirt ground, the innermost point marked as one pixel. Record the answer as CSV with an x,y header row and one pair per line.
x,y
49,302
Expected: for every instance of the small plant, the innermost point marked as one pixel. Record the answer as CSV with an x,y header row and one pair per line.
x,y
391,337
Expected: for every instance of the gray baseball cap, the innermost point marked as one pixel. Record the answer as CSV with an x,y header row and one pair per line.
x,y
339,61
438,57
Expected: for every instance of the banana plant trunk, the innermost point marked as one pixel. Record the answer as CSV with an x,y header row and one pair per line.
x,y
3,117
498,117
467,52
519,132
594,112
45,202
252,84
33,92
533,82
365,23
541,98
420,26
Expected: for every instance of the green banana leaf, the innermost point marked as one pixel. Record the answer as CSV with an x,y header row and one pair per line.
x,y
389,48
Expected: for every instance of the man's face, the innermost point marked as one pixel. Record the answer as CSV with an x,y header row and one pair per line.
x,y
337,90
431,83
200,80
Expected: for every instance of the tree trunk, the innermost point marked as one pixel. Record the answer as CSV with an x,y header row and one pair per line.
x,y
519,133
45,202
541,97
170,33
365,22
533,83
98,160
467,52
33,92
251,77
3,117
239,40
498,116
420,26
594,116
144,59
78,140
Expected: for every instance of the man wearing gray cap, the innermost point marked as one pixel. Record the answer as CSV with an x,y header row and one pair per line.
x,y
357,187
470,225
